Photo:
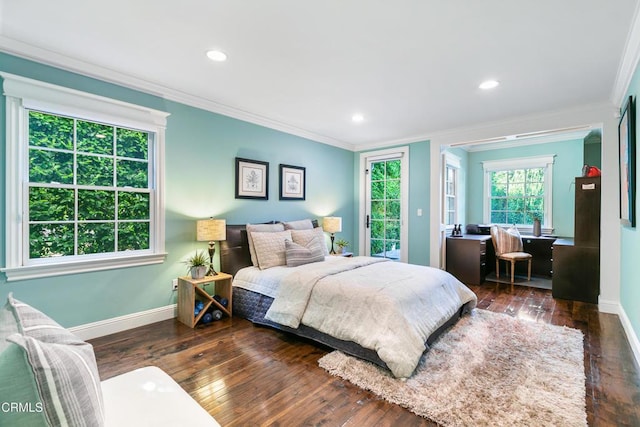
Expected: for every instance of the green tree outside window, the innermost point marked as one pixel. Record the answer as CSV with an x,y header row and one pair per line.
x,y
89,189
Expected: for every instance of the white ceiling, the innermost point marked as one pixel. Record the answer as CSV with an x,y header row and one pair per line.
x,y
411,67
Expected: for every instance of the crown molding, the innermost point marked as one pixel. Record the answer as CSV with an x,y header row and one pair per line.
x,y
553,122
629,62
556,136
47,57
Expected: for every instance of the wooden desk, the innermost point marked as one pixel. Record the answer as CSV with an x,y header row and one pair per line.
x,y
471,257
541,250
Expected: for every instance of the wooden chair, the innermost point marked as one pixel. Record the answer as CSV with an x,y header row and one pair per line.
x,y
508,247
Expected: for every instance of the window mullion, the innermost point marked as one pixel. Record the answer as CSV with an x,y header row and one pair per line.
x,y
76,218
114,151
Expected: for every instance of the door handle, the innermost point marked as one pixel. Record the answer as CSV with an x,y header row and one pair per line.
x,y
367,221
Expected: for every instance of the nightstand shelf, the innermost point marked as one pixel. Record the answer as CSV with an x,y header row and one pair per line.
x,y
192,290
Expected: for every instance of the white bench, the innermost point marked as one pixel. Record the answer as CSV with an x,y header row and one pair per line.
x,y
149,397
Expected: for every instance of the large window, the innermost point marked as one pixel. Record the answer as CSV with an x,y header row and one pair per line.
x,y
88,187
450,195
517,191
516,196
84,187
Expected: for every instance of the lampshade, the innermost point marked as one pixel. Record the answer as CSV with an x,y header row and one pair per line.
x,y
332,224
209,230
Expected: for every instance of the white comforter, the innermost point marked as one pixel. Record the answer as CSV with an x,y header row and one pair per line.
x,y
388,307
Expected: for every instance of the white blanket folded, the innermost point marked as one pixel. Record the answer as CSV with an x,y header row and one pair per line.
x,y
389,307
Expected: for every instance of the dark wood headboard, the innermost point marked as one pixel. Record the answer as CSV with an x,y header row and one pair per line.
x,y
234,252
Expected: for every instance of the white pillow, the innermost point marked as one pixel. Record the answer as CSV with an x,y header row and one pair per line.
x,y
302,224
270,248
261,228
303,237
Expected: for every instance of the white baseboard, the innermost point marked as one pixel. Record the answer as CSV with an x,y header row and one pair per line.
x,y
122,323
632,337
614,307
608,306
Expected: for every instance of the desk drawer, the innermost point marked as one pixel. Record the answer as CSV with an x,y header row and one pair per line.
x,y
467,259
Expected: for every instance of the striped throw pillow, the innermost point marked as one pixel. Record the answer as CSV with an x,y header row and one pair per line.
x,y
299,255
64,368
509,240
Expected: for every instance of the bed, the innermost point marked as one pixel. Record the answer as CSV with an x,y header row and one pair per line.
x,y
375,309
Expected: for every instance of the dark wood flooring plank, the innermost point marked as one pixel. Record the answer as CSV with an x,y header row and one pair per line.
x,y
254,376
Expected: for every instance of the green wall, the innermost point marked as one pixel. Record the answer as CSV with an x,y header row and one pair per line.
x,y
199,173
630,239
419,198
567,165
593,149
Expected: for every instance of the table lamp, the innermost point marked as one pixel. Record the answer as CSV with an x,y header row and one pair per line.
x,y
211,230
332,224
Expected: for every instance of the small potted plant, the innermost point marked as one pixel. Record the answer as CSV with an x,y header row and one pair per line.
x,y
197,265
341,244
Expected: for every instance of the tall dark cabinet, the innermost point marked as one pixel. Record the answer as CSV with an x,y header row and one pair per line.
x,y
576,263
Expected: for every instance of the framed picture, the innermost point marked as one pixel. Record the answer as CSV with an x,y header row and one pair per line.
x,y
292,182
252,179
627,152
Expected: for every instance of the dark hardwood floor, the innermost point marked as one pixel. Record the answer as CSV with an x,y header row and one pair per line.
x,y
246,375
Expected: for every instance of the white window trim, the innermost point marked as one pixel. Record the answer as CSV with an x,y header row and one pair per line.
x,y
22,93
451,160
545,162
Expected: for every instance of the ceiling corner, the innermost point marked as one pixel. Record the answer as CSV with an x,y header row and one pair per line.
x,y
629,62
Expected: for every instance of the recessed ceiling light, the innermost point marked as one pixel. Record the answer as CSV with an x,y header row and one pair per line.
x,y
489,84
357,118
217,55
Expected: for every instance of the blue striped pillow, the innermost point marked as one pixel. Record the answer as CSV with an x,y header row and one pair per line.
x,y
299,255
64,367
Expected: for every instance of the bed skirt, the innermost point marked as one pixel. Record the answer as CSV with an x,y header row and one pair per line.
x,y
253,306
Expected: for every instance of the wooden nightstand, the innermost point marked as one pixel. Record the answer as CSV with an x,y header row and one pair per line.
x,y
192,290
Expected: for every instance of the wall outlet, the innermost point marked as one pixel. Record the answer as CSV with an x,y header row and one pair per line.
x,y
174,285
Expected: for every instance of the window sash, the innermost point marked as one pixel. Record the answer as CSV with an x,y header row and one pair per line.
x,y
544,162
451,195
515,208
75,224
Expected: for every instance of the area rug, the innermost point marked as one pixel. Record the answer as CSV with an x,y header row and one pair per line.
x,y
488,369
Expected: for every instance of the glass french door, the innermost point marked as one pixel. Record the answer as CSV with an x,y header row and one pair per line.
x,y
383,200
